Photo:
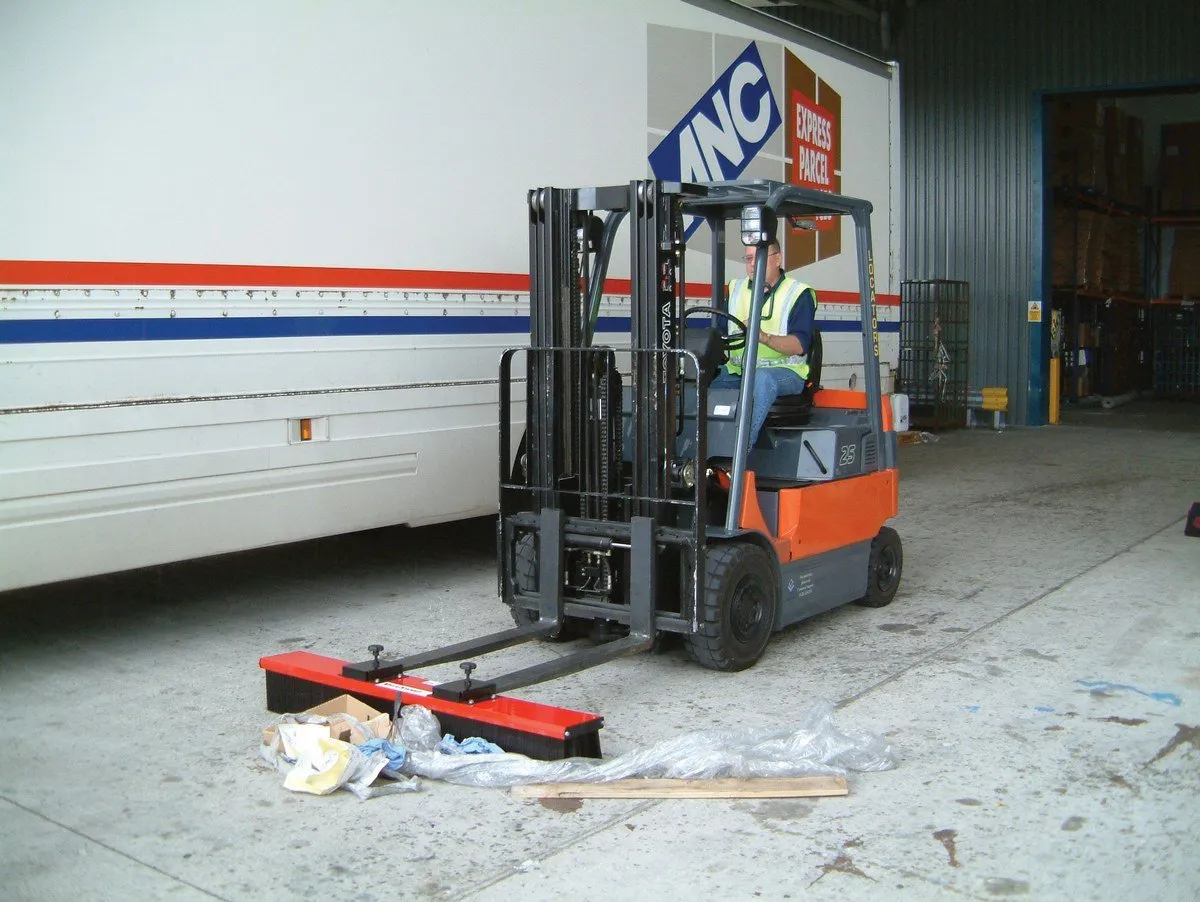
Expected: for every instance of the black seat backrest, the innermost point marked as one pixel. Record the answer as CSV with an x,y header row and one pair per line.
x,y
708,346
814,361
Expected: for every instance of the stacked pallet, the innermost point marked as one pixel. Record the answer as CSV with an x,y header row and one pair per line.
x,y
1121,264
1135,161
1077,251
1185,264
1179,169
1124,157
1077,139
1097,156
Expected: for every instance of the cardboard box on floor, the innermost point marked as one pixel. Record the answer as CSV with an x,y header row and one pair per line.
x,y
376,723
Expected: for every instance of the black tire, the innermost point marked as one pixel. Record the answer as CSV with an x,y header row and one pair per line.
x,y
884,569
738,607
525,572
520,460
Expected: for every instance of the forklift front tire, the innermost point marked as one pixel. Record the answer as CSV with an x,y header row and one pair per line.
x,y
884,569
738,607
525,567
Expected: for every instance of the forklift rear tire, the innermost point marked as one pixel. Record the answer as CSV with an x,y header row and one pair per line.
x,y
737,608
884,569
525,565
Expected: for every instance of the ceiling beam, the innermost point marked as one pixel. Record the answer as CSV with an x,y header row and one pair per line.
x,y
825,6
836,7
859,9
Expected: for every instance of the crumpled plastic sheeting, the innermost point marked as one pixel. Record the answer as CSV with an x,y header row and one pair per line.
x,y
320,765
472,745
417,729
816,747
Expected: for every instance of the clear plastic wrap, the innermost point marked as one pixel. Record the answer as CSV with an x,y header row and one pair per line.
x,y
417,729
816,747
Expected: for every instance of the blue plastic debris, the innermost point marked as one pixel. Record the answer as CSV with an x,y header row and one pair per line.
x,y
395,753
1169,698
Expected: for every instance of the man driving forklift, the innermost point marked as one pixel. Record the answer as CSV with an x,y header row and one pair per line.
x,y
784,336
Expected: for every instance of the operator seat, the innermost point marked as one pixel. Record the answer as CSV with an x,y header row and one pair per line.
x,y
795,410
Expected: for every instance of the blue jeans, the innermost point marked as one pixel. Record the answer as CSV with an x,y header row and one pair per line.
x,y
769,383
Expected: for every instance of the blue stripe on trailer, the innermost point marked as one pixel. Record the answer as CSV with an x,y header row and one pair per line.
x,y
826,326
852,325
187,329
35,331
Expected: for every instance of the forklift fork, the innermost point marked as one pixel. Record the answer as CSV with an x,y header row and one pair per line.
x,y
550,619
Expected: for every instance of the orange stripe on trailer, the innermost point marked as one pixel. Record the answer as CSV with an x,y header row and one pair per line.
x,y
236,275
851,297
225,275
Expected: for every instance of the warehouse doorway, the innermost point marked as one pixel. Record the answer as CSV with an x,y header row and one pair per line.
x,y
1121,250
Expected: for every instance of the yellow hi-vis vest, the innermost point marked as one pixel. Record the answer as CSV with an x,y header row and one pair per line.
x,y
777,308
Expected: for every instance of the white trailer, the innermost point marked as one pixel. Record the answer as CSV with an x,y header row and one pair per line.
x,y
258,260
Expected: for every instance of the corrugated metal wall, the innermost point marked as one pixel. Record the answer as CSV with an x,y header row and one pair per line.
x,y
971,72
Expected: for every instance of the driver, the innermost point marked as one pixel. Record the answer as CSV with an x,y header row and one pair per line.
x,y
784,336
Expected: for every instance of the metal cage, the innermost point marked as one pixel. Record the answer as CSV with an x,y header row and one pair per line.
x,y
1176,352
935,321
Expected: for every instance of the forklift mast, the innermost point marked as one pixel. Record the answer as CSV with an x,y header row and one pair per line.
x,y
572,421
569,381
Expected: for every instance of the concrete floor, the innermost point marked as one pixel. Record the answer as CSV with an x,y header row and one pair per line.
x,y
1038,676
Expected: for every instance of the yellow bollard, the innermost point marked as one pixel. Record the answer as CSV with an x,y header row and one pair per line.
x,y
1055,389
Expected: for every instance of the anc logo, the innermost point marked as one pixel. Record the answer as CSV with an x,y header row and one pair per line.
x,y
723,131
765,114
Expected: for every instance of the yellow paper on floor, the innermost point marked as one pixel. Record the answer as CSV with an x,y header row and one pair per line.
x,y
300,738
320,769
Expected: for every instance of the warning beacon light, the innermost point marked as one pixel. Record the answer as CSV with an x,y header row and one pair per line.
x,y
758,225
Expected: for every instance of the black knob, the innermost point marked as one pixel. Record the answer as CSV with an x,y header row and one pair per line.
x,y
375,650
467,667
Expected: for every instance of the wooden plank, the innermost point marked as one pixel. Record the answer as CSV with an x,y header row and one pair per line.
x,y
912,437
727,788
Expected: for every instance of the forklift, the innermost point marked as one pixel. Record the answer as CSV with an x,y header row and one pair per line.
x,y
632,507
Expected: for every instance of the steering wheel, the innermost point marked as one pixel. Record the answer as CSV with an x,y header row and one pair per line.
x,y
730,341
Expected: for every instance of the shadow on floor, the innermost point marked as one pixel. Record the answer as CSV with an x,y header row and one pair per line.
x,y
123,598
1150,415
